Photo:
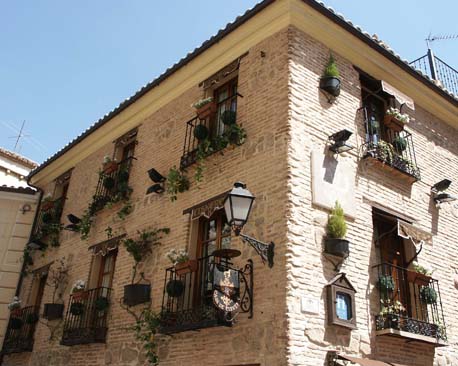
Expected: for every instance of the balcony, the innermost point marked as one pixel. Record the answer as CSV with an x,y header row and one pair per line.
x,y
112,185
20,330
86,318
214,125
411,306
48,225
392,151
189,299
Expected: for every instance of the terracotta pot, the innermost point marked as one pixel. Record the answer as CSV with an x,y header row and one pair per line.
x,y
186,267
393,123
110,167
80,295
16,312
206,111
418,278
47,205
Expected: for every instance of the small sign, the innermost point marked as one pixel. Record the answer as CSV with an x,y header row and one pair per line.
x,y
310,305
226,293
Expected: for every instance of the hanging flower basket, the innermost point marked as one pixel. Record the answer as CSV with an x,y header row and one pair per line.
x,y
186,267
77,308
201,132
16,323
109,182
174,288
393,123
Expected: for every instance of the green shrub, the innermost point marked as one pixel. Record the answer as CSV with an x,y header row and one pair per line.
x,y
331,68
337,227
428,295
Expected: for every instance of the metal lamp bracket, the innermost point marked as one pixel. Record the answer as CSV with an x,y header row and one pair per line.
x,y
266,251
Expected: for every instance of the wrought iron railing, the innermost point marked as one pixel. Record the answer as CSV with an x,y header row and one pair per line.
x,y
215,127
50,213
112,185
438,70
20,330
393,148
86,317
188,298
410,302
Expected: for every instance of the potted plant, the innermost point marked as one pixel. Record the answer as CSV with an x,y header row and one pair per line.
x,y
77,308
180,259
15,306
109,165
330,80
16,323
229,117
31,318
428,295
201,132
57,280
400,144
389,316
101,303
205,107
395,120
177,182
47,203
78,290
386,284
138,293
174,288
109,182
420,275
336,229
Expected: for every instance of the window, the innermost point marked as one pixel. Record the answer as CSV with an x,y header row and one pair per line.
x,y
226,102
102,269
215,233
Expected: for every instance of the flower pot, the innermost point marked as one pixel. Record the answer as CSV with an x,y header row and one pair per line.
x,y
135,294
16,323
46,217
229,117
174,288
77,308
79,295
393,123
110,167
47,205
330,85
109,182
53,311
337,247
201,132
418,278
186,267
206,110
428,295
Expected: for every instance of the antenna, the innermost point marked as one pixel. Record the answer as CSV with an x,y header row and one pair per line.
x,y
19,136
443,37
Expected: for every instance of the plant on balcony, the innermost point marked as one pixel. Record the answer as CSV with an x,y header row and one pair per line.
x,y
330,80
139,249
386,284
109,165
428,295
47,203
101,303
180,259
77,308
174,288
109,182
16,323
201,132
205,107
229,117
395,120
15,306
177,182
57,280
400,144
389,314
420,275
27,260
31,318
78,290
146,327
336,230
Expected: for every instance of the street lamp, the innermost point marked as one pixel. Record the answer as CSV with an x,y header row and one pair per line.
x,y
237,205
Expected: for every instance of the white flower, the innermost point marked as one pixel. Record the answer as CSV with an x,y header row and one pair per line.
x,y
106,159
15,304
78,286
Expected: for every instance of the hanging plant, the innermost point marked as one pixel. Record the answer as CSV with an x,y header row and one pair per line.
x,y
175,288
146,328
330,80
109,182
229,117
400,143
335,242
428,295
177,182
77,308
201,132
16,323
101,303
31,318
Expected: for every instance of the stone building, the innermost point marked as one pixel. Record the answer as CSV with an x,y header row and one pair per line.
x,y
18,203
319,303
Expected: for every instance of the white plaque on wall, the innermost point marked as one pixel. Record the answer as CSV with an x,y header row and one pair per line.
x,y
333,179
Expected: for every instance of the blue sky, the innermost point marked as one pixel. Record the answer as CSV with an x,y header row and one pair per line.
x,y
64,64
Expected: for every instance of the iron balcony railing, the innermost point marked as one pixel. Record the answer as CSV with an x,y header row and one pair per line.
x,y
393,148
438,70
20,330
188,299
86,317
410,302
215,127
112,185
50,214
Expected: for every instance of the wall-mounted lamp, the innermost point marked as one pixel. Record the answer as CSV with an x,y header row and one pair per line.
x,y
339,142
75,223
439,195
158,179
26,208
237,205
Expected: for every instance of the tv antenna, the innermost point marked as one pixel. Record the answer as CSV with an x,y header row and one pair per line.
x,y
443,37
18,137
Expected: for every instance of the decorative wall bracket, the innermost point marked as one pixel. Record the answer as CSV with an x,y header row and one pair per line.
x,y
266,251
